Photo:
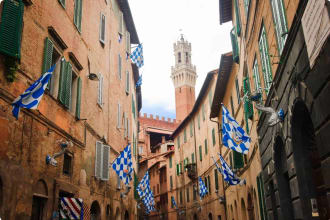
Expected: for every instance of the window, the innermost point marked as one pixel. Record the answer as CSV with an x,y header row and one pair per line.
x,y
100,91
216,181
128,42
187,57
67,164
206,184
102,28
237,91
280,23
127,83
77,14
255,70
187,193
265,60
248,107
205,144
119,66
200,153
234,44
38,207
180,168
191,129
11,27
192,158
125,125
172,198
133,107
246,7
232,106
194,192
181,200
157,188
171,183
102,159
179,57
170,161
118,116
121,23
185,135
199,121
238,160
62,2
203,112
210,97
209,184
238,18
213,136
177,169
178,141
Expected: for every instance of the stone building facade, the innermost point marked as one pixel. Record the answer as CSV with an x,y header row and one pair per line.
x,y
274,59
196,142
98,117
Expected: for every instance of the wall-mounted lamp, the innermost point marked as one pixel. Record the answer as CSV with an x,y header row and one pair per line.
x,y
93,76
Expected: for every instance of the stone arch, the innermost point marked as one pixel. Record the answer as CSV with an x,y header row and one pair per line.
x,y
307,162
126,216
108,212
250,207
117,216
282,177
95,211
243,210
210,216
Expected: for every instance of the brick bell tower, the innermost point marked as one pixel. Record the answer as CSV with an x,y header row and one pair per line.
x,y
184,79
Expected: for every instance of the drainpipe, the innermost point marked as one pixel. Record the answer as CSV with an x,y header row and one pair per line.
x,y
223,183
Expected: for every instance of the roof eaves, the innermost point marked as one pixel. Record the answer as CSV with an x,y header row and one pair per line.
x,y
226,63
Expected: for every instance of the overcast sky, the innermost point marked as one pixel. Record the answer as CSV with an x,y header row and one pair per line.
x,y
158,24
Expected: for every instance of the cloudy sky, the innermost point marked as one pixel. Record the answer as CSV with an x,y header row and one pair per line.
x,y
158,23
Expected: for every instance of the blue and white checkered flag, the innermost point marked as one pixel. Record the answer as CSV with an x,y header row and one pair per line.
x,y
173,202
227,173
30,99
202,188
149,201
123,165
137,56
139,82
233,135
143,185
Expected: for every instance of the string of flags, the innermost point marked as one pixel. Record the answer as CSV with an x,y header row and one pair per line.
x,y
123,165
32,96
233,135
202,188
227,173
146,194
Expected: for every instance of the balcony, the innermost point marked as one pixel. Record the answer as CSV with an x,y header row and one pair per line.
x,y
192,170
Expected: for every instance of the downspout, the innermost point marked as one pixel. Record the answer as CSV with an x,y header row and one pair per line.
x,y
223,183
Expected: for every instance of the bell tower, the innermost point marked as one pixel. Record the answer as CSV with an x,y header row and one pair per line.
x,y
184,79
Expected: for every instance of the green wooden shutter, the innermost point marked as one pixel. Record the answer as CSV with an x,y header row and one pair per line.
x,y
48,56
68,84
216,181
177,169
78,14
185,135
136,183
238,160
234,45
78,98
248,107
192,158
61,91
11,27
171,182
170,161
200,153
205,144
262,204
238,18
180,167
213,136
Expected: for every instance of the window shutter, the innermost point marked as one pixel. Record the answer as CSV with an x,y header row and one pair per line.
x,y
128,127
178,142
248,107
118,116
238,18
237,91
170,162
127,82
47,63
265,60
136,183
209,184
98,159
192,158
78,99
199,121
203,112
128,42
213,136
102,28
191,129
177,169
61,93
125,125
234,45
105,162
134,146
133,107
238,160
11,26
205,143
185,135
100,90
188,194
180,168
200,153
119,66
121,23
68,83
171,182
78,14
216,182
